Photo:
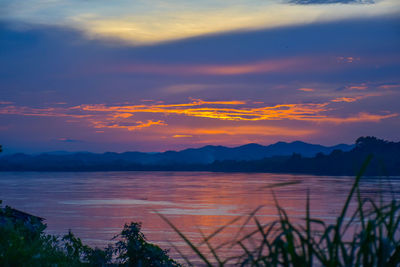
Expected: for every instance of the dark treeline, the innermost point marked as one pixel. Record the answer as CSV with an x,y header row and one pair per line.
x,y
386,161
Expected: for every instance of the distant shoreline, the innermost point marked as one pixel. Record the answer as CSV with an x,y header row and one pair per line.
x,y
189,171
251,158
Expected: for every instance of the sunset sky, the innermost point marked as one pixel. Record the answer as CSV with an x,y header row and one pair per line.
x,y
151,75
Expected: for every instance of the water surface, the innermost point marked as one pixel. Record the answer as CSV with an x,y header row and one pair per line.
x,y
95,205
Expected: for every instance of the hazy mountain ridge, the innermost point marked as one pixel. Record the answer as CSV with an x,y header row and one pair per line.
x,y
204,155
247,158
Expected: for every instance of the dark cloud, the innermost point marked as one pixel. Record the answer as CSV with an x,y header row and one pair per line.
x,y
323,2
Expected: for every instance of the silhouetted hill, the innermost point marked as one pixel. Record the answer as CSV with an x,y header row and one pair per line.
x,y
192,156
295,157
385,161
209,154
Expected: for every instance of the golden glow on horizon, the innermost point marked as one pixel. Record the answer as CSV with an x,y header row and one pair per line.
x,y
204,109
137,117
248,130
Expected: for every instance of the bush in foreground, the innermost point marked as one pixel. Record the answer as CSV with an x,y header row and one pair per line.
x,y
24,243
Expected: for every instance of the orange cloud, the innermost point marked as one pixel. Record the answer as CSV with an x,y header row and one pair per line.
x,y
357,87
311,63
124,116
211,109
345,99
361,117
237,111
389,86
306,89
182,136
350,99
266,66
115,125
257,67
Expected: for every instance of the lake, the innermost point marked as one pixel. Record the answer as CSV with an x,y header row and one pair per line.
x,y
95,205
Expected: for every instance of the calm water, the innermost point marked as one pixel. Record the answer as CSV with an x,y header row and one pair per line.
x,y
95,206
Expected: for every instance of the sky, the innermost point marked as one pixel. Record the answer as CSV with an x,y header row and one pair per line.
x,y
167,75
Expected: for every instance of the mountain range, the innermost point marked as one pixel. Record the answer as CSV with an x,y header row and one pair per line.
x,y
203,155
281,157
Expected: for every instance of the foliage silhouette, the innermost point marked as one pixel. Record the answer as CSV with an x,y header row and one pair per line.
x,y
134,250
23,245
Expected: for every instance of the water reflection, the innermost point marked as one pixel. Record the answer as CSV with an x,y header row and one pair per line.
x,y
95,206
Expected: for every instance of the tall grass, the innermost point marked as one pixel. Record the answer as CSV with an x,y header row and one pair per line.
x,y
367,236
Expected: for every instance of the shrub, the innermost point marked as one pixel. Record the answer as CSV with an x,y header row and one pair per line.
x,y
134,250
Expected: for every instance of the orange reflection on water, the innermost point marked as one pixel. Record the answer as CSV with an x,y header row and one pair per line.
x,y
95,206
